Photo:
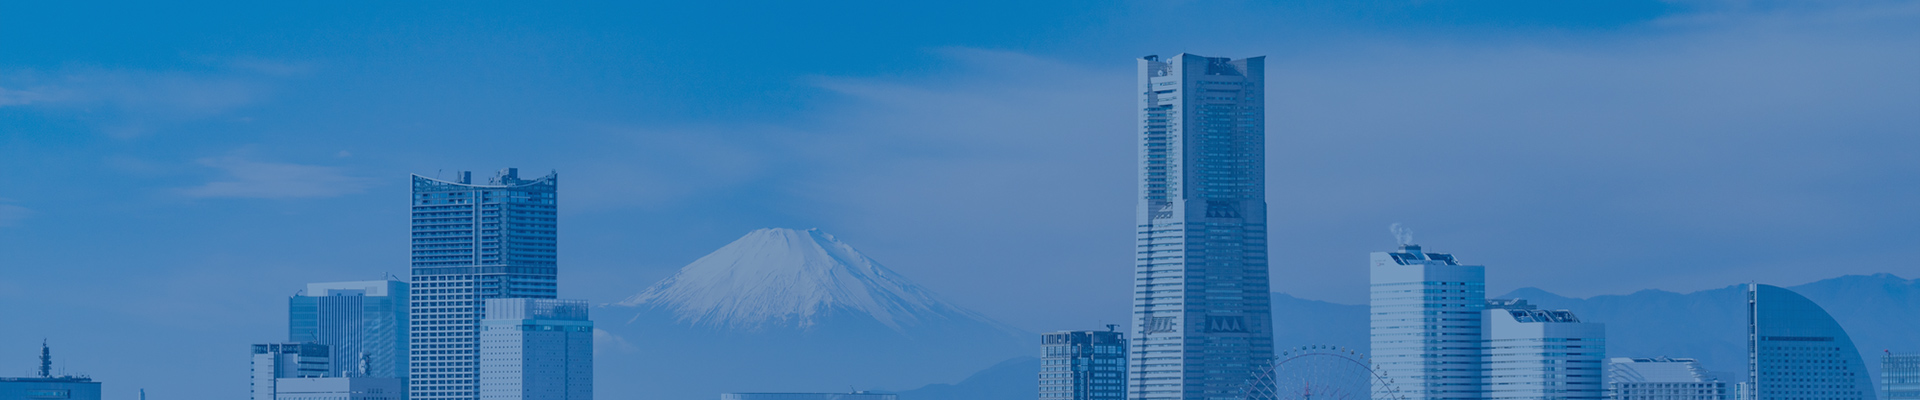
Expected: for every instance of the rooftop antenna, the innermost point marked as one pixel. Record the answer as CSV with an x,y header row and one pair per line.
x,y
46,360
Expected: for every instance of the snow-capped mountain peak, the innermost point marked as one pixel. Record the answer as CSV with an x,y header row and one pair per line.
x,y
790,277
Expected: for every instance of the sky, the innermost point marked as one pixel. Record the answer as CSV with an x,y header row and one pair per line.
x,y
179,169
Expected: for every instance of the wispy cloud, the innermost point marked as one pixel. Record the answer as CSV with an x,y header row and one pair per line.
x,y
607,343
125,102
267,180
12,214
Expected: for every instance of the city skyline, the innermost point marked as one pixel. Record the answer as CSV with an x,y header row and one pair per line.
x,y
184,169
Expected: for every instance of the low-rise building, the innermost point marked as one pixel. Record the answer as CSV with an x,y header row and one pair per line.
x,y
345,388
275,361
809,396
46,386
1661,378
49,388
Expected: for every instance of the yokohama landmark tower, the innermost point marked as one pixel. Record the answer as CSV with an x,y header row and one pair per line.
x,y
1201,311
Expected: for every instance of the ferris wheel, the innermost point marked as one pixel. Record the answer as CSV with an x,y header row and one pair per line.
x,y
1321,373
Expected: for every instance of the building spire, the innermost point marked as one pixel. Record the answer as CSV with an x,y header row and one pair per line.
x,y
46,360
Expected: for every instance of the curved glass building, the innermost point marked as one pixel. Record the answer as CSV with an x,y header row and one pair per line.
x,y
473,242
1795,351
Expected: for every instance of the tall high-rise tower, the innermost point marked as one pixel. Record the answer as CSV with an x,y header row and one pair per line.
x,y
1426,322
473,242
1202,320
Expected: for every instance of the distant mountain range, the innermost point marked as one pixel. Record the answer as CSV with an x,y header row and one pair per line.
x,y
1880,312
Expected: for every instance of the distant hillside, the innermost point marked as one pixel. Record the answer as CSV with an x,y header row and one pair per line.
x,y
1301,322
1014,379
1297,322
1880,312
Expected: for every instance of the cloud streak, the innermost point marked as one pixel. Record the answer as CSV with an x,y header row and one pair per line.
x,y
11,215
128,103
266,180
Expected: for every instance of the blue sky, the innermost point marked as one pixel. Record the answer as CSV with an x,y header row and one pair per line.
x,y
179,169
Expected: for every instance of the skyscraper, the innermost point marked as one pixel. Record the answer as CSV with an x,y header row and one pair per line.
x,y
1795,351
536,349
363,324
1426,322
1202,318
1535,354
1900,376
1661,378
1083,365
473,242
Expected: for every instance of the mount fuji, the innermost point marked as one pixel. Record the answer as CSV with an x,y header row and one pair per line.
x,y
786,277
784,310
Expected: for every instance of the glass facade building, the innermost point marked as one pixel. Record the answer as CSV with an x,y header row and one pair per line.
x,y
473,242
1535,354
536,349
1661,378
1425,325
1083,365
1900,376
1202,318
363,324
1796,351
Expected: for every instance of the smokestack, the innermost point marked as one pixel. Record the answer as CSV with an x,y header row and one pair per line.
x,y
466,177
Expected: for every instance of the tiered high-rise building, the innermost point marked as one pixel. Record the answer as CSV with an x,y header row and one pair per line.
x,y
536,349
473,242
1535,354
1426,323
1202,319
1796,351
1083,365
363,324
